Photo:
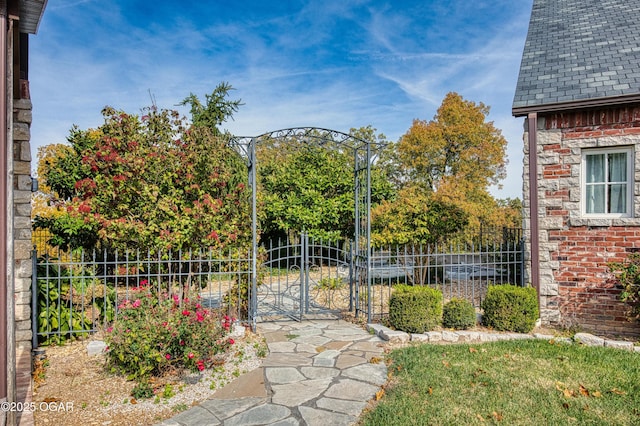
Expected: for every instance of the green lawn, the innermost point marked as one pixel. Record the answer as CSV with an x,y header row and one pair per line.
x,y
525,382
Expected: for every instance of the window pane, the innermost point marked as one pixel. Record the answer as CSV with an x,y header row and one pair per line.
x,y
595,198
595,168
618,198
618,167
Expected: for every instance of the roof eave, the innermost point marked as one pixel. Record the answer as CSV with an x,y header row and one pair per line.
x,y
576,105
31,12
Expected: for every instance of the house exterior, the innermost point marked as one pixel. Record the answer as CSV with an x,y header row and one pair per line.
x,y
579,89
19,19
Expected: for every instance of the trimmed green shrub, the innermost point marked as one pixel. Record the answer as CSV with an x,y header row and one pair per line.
x,y
415,309
510,308
459,314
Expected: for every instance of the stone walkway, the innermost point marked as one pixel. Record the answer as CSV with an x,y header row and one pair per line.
x,y
318,372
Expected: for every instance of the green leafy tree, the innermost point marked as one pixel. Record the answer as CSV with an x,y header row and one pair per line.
x,y
149,181
308,185
414,218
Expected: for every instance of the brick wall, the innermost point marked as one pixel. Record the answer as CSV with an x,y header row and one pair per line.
x,y
575,286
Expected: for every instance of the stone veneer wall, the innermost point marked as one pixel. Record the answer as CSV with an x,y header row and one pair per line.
x,y
576,288
22,252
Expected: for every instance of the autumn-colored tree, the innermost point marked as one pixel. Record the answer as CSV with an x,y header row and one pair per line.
x,y
457,145
154,181
453,159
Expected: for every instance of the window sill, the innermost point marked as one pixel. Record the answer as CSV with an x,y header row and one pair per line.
x,y
604,222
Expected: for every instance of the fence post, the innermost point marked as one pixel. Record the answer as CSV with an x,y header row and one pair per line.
x,y
522,261
34,299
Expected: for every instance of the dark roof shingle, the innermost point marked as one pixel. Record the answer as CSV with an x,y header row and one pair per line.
x,y
579,50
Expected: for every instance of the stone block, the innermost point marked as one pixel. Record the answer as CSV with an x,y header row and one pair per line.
x,y
23,209
543,336
22,234
588,339
434,336
22,284
619,344
237,330
20,196
23,325
550,223
22,151
23,298
24,183
24,268
22,249
375,328
23,116
21,222
23,312
420,338
488,337
96,347
393,336
22,167
450,336
23,335
21,132
23,103
468,336
549,316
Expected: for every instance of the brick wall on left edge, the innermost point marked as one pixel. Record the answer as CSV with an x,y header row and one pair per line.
x,y
22,251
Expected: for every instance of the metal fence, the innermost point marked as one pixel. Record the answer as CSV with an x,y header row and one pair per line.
x,y
77,292
459,269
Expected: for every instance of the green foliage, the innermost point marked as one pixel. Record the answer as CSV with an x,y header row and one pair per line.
x,y
69,306
307,184
413,217
155,331
333,283
510,308
150,181
627,273
415,309
142,390
217,108
458,314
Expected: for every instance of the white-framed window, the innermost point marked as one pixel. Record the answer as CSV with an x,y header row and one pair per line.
x,y
607,182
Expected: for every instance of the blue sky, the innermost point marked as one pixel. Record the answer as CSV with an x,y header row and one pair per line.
x,y
333,64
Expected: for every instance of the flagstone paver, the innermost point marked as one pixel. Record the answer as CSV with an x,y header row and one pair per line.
x,y
317,372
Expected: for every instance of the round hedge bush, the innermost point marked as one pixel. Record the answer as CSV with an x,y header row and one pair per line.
x,y
415,309
510,308
458,314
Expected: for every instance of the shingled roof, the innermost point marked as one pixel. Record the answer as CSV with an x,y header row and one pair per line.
x,y
579,53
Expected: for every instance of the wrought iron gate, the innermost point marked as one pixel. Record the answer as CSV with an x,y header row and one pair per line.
x,y
305,278
363,156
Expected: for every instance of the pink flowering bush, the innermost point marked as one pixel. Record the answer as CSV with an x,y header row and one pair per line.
x,y
155,332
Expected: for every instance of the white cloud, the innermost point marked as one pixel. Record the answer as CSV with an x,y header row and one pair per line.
x,y
333,64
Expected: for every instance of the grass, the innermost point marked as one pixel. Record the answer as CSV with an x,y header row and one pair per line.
x,y
512,383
